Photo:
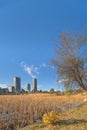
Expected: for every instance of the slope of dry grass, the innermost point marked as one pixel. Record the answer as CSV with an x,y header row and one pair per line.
x,y
74,119
17,111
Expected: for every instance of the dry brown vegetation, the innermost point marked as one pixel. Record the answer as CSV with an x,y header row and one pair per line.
x,y
70,59
17,111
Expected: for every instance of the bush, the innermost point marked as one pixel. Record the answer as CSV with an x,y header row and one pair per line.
x,y
51,117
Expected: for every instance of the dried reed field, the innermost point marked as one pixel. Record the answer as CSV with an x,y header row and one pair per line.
x,y
17,111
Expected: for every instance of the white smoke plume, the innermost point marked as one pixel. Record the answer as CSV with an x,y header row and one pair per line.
x,y
31,70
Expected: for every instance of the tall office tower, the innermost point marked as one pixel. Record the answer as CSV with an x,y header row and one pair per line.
x,y
28,88
34,84
17,84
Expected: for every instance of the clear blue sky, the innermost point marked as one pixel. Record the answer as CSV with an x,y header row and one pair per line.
x,y
28,29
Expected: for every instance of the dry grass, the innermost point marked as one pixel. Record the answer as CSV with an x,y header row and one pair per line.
x,y
17,111
74,119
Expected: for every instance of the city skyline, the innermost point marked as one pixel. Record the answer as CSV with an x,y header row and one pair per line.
x,y
28,32
17,88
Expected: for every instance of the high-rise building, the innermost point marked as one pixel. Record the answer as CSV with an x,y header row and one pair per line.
x,y
11,89
34,84
28,88
17,84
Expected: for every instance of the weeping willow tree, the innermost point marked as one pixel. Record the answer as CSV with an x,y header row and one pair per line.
x,y
70,60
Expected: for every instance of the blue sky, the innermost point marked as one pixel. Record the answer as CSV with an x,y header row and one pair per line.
x,y
28,30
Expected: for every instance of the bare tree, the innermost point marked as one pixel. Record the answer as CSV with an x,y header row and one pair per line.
x,y
70,60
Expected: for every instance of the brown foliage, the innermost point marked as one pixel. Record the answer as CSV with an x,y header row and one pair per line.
x,y
71,60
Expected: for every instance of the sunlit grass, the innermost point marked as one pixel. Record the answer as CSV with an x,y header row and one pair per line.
x,y
18,111
74,119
